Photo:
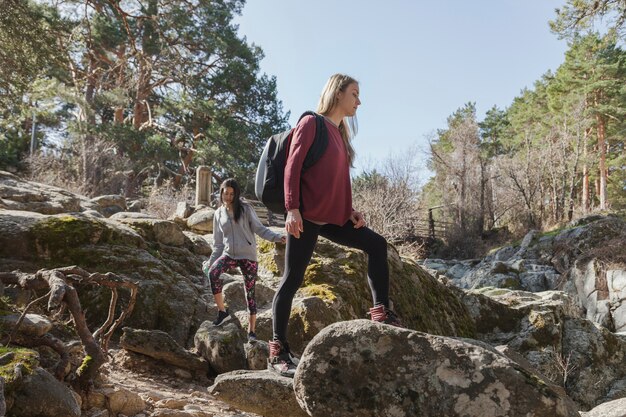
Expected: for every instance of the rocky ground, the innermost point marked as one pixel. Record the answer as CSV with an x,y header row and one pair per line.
x,y
166,393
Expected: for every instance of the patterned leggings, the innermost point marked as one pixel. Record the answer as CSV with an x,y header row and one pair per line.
x,y
248,269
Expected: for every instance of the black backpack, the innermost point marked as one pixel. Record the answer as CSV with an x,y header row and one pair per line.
x,y
270,173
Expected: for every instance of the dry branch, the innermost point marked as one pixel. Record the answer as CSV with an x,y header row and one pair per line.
x,y
62,295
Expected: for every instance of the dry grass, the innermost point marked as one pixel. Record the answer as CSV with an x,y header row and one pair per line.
x,y
162,201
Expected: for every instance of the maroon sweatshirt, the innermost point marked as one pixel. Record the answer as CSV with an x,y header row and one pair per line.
x,y
325,187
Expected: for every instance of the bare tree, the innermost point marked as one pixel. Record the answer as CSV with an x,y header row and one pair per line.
x,y
389,198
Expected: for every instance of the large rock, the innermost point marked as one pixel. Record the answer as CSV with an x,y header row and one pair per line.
x,y
261,392
200,244
595,358
235,295
548,331
124,402
201,221
109,205
338,276
360,368
222,346
169,277
33,325
17,194
257,355
160,345
41,395
615,408
152,229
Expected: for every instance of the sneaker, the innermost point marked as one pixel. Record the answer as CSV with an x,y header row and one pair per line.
x,y
252,338
382,314
221,316
280,360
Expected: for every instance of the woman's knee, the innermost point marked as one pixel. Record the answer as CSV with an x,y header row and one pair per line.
x,y
214,275
377,244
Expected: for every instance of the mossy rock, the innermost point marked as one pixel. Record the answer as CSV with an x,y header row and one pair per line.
x,y
56,235
271,256
338,275
29,359
169,277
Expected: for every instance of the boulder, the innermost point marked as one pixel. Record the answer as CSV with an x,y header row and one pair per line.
x,y
257,355
548,331
162,231
169,277
183,210
235,295
160,345
338,276
201,221
261,392
361,368
109,205
17,194
42,395
615,408
33,325
200,244
122,401
222,346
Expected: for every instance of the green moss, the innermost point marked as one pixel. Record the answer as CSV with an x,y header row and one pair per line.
x,y
28,358
269,263
323,291
510,283
313,272
265,246
349,269
67,230
491,291
267,255
85,365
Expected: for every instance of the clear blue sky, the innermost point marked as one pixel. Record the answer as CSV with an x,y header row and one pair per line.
x,y
416,61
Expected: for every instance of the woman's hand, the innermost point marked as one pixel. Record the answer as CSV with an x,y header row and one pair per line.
x,y
358,219
293,224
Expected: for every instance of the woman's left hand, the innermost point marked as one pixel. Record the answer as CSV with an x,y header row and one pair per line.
x,y
358,219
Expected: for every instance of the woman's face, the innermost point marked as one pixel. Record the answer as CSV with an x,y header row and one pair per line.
x,y
348,100
228,195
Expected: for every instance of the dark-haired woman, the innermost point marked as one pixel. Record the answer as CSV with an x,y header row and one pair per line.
x,y
234,225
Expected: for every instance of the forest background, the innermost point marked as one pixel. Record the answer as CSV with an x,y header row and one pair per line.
x,y
131,96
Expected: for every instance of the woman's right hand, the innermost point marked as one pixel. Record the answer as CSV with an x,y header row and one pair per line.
x,y
293,224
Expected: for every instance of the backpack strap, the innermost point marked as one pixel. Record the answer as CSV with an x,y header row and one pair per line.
x,y
320,143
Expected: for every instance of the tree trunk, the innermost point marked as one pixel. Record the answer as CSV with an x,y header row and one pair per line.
x,y
140,110
118,116
603,171
90,120
585,187
481,215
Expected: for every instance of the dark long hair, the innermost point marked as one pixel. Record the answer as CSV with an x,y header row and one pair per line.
x,y
237,203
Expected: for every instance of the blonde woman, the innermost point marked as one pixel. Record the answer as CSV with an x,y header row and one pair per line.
x,y
319,202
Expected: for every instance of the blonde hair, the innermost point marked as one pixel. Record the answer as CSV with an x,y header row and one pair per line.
x,y
328,99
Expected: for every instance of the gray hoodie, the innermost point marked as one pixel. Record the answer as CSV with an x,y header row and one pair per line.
x,y
236,239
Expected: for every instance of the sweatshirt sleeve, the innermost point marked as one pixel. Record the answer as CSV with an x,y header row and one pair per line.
x,y
259,229
218,239
301,141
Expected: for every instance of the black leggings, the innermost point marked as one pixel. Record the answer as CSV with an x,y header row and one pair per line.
x,y
298,254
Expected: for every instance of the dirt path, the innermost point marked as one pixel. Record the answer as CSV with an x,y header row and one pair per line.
x,y
163,392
